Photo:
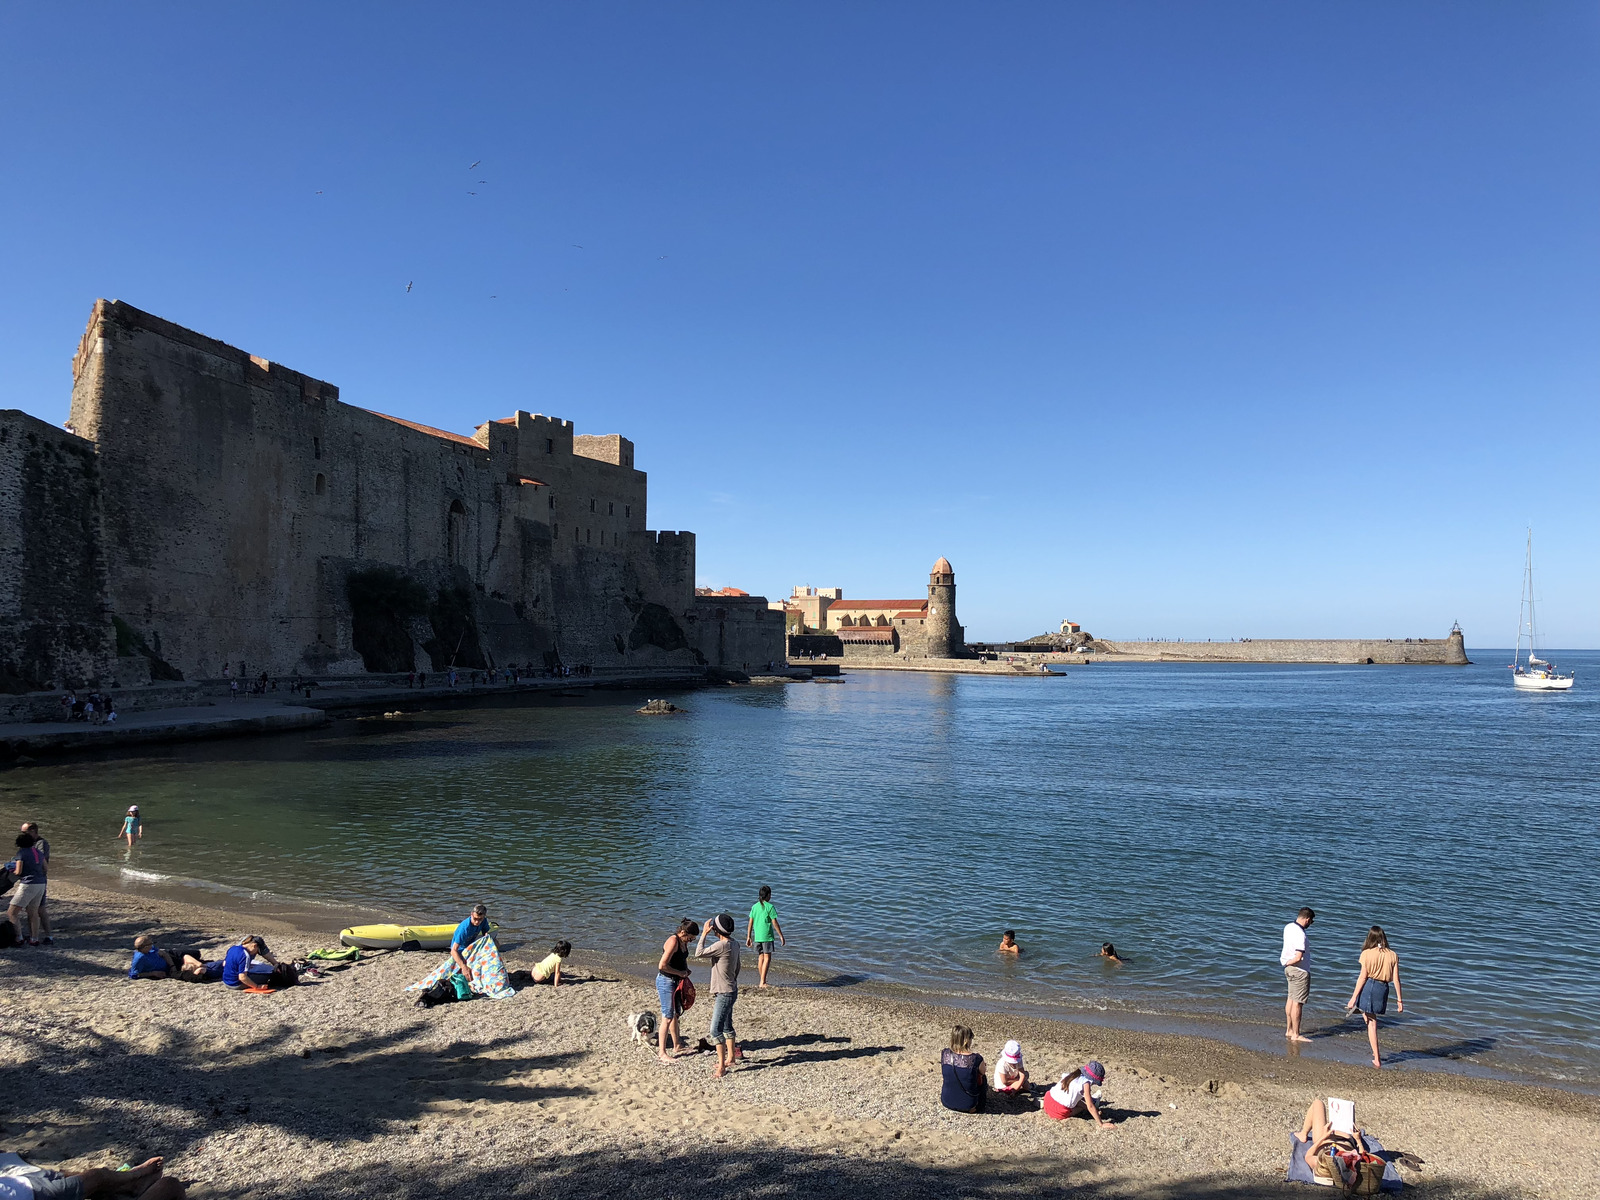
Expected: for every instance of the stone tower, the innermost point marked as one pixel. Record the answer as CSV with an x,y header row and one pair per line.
x,y
945,638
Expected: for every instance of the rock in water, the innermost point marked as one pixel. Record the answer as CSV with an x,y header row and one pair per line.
x,y
656,708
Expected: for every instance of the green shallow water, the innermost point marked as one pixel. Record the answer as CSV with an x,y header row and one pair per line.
x,y
1183,812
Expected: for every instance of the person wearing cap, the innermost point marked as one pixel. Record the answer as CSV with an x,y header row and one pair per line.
x,y
1073,1095
132,825
1009,1077
474,927
248,962
724,958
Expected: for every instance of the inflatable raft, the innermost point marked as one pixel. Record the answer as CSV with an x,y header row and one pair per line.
x,y
400,937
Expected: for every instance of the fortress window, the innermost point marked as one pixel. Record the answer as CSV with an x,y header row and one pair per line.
x,y
590,538
591,505
552,500
455,531
611,509
549,445
322,483
627,510
316,447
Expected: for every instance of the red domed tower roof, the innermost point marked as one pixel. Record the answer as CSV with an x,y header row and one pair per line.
x,y
942,567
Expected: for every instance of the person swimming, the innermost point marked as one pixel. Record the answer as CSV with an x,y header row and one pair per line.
x,y
1008,943
1107,950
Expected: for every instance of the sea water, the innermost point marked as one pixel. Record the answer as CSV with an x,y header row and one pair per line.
x,y
1183,812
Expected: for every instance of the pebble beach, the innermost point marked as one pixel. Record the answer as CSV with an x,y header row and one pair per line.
x,y
342,1088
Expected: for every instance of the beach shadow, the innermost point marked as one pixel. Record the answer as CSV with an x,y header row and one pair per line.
x,y
793,1058
1466,1048
833,981
774,1172
354,1090
794,1039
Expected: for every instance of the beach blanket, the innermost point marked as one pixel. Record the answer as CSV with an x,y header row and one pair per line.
x,y
1300,1173
488,971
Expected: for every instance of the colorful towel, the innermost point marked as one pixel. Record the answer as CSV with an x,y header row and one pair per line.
x,y
488,971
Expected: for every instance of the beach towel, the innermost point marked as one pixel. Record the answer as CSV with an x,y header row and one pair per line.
x,y
1300,1173
488,971
349,954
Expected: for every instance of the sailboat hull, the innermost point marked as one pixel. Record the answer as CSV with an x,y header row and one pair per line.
x,y
1543,683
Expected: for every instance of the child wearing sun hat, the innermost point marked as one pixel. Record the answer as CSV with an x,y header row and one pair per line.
x,y
1009,1077
1074,1095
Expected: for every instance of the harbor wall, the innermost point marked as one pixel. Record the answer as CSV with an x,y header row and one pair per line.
x,y
1445,651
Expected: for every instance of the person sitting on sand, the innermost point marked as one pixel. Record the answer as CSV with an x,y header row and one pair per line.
x,y
1107,950
1072,1095
1008,942
151,962
964,1088
249,962
474,927
548,968
670,971
27,1182
1009,1077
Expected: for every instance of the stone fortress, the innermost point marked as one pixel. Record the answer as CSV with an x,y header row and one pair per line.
x,y
822,621
207,508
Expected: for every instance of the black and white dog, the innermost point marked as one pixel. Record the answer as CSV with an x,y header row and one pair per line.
x,y
642,1029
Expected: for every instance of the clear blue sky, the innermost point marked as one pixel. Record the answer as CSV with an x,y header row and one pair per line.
x,y
1201,320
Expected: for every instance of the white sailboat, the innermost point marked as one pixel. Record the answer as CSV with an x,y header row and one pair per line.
x,y
1537,675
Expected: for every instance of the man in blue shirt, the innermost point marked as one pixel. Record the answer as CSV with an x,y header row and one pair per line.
x,y
469,931
240,965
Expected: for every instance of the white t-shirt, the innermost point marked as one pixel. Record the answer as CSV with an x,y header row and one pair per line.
x,y
1001,1066
1294,938
1070,1097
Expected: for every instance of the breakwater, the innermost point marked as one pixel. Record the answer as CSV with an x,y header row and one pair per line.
x,y
1446,651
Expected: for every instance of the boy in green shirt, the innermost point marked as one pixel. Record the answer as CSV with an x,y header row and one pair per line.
x,y
763,923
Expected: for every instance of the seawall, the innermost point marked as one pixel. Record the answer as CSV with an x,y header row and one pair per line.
x,y
1447,651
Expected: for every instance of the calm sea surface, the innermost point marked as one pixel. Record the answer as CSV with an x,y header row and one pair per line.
x,y
1182,812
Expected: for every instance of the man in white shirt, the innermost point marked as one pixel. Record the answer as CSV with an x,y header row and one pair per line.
x,y
1296,960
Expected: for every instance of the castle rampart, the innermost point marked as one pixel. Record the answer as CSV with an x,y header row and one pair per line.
x,y
248,516
1445,651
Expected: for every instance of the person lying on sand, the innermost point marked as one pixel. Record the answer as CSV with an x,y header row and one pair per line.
x,y
152,962
1072,1095
38,1183
1009,1077
1008,942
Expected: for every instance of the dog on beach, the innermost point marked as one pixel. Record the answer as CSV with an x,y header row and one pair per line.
x,y
642,1029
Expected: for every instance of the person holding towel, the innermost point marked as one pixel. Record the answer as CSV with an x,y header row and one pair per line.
x,y
1380,969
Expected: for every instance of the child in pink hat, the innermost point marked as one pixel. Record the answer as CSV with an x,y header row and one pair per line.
x,y
1009,1077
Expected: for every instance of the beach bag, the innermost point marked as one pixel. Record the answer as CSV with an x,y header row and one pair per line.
x,y
283,975
685,997
1347,1166
463,989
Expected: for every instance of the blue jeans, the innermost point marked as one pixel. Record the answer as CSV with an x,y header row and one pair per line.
x,y
722,1017
664,992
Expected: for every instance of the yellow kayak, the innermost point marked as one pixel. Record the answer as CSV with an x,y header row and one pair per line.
x,y
400,937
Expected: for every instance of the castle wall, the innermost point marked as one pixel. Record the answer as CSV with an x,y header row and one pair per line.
x,y
1446,651
739,633
239,497
55,623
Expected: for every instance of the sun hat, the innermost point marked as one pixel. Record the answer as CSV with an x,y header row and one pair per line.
x,y
133,808
1094,1072
1012,1052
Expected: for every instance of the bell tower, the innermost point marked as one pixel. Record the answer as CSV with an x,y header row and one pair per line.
x,y
946,638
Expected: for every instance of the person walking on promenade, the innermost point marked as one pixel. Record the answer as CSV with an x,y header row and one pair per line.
x,y
672,970
1380,968
1296,960
758,933
132,826
724,958
43,847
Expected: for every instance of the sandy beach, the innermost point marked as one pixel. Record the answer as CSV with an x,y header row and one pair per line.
x,y
343,1088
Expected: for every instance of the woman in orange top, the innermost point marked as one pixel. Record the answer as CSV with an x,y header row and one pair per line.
x,y
1380,968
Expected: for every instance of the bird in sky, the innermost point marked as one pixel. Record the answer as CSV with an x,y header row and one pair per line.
x,y
575,245
472,193
474,166
319,192
483,181
408,287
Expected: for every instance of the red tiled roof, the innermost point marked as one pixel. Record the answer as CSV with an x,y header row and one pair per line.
x,y
913,612
847,605
504,421
428,429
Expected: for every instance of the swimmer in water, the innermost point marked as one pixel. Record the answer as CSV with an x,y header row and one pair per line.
x,y
1008,942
